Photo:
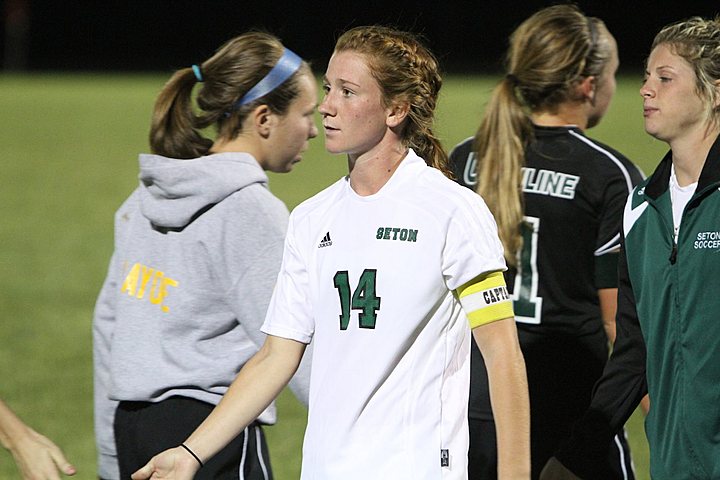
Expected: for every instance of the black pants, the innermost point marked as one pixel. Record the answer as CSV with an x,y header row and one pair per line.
x,y
482,456
561,372
144,429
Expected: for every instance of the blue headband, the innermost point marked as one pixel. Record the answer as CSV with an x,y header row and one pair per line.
x,y
283,69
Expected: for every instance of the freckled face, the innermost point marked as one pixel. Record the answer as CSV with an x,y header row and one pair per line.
x,y
354,117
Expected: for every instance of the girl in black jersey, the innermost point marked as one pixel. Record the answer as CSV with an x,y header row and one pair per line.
x,y
561,234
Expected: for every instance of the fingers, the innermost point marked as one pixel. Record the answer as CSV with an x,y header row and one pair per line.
x,y
65,467
61,462
38,458
166,465
145,472
43,468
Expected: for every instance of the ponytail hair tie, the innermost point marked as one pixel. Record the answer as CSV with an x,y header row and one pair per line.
x,y
198,73
512,79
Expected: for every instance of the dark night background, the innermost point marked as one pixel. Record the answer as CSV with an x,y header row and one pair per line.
x,y
161,35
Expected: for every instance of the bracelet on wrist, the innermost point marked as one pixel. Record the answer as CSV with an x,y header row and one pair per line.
x,y
193,454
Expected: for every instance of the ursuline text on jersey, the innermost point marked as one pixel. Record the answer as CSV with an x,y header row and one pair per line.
x,y
543,182
548,182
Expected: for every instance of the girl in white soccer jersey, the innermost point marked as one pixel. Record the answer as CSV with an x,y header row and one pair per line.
x,y
382,272
198,247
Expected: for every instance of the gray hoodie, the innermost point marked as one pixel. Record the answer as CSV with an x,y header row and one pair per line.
x,y
198,247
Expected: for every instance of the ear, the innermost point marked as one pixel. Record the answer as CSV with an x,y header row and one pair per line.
x,y
717,93
396,114
263,120
587,88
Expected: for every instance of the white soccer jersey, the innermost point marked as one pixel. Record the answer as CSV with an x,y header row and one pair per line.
x,y
371,280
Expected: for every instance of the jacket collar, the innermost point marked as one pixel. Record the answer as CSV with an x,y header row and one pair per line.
x,y
710,174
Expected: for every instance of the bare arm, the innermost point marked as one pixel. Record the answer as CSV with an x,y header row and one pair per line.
x,y
258,383
507,378
608,308
36,456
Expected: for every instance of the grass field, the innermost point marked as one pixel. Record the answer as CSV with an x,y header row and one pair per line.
x,y
68,153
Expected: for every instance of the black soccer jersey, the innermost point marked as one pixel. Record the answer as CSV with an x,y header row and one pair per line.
x,y
574,191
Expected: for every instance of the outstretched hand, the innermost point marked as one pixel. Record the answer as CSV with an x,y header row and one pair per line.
x,y
38,458
554,470
173,464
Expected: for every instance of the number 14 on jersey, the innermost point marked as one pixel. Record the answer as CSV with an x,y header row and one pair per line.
x,y
364,298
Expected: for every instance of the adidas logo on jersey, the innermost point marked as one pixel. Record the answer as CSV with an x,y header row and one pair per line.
x,y
325,242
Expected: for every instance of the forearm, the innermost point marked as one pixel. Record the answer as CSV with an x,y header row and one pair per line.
x,y
300,382
507,380
258,383
11,427
608,309
509,399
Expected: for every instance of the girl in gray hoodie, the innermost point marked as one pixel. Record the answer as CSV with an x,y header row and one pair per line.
x,y
198,247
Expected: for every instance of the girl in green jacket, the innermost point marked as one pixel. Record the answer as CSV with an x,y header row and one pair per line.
x,y
668,322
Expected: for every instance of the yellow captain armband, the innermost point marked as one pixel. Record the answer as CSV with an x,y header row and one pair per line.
x,y
485,299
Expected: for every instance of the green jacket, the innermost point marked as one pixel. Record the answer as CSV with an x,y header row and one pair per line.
x,y
668,334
